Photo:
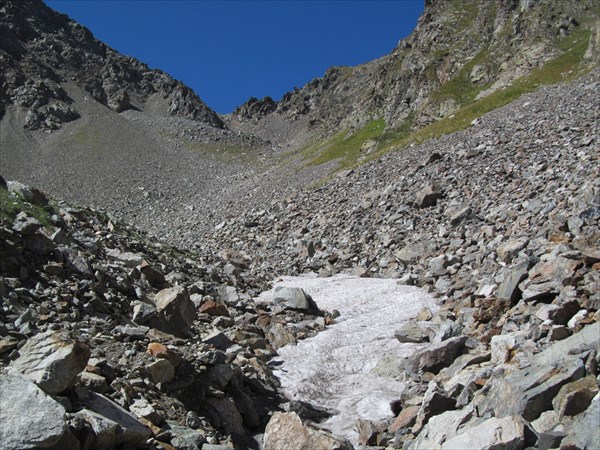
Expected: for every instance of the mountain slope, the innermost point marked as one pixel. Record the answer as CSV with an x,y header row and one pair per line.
x,y
460,51
138,143
42,50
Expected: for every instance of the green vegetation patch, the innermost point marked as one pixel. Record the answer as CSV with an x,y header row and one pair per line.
x,y
460,87
86,136
343,146
12,204
565,67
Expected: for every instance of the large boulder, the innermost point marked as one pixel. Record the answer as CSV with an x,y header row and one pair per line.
x,y
435,357
529,391
507,433
429,195
110,424
52,360
286,431
440,428
175,312
30,418
294,298
584,432
548,277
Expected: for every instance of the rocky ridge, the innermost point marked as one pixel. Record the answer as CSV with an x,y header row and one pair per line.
x,y
42,50
459,51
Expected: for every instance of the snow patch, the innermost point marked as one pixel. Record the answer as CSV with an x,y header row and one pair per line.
x,y
334,369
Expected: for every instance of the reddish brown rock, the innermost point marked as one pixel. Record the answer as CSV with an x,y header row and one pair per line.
x,y
214,309
162,351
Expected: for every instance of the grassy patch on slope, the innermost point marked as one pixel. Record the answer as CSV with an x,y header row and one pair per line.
x,y
11,205
343,146
563,68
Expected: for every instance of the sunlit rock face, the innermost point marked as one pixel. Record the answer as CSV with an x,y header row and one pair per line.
x,y
336,369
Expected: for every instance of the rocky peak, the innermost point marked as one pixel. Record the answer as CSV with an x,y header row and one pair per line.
x,y
458,51
255,108
42,52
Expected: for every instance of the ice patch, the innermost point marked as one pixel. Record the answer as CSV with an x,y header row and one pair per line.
x,y
334,370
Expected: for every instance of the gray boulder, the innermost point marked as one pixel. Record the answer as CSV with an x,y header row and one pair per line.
x,y
509,288
175,312
575,397
429,195
294,298
52,360
418,332
435,357
185,438
286,431
111,424
528,392
30,418
440,428
547,278
507,433
584,432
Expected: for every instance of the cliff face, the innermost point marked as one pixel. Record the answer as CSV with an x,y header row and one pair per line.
x,y
460,50
41,51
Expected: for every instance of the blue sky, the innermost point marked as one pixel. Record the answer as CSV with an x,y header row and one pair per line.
x,y
229,51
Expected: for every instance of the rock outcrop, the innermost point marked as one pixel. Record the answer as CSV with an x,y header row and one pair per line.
x,y
43,52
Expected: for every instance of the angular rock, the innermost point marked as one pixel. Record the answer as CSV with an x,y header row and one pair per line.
x,y
435,357
410,253
435,402
441,428
507,433
529,392
220,374
369,431
429,195
130,332
142,408
218,339
161,371
214,309
52,360
286,431
94,382
547,277
584,432
278,336
175,312
128,259
185,438
154,276
75,261
112,425
586,339
162,351
510,249
405,419
30,418
143,312
414,332
38,243
29,194
294,298
223,411
509,288
574,398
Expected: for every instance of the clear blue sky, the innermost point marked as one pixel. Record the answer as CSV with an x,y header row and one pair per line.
x,y
229,51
